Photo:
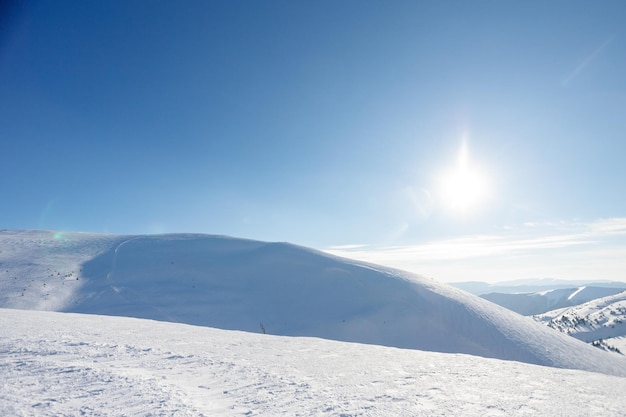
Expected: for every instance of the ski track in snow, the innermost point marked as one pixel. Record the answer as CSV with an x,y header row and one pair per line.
x,y
114,260
575,293
62,364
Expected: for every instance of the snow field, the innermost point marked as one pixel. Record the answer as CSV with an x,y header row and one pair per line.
x,y
61,364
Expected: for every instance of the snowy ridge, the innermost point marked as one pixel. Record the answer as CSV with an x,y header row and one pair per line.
x,y
284,289
60,364
533,303
601,322
527,286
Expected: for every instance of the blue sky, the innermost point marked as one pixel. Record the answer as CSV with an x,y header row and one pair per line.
x,y
328,124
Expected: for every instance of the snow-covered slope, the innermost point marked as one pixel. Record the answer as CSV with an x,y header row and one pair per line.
x,y
543,301
287,290
601,322
60,364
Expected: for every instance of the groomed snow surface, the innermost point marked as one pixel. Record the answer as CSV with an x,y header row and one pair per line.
x,y
62,364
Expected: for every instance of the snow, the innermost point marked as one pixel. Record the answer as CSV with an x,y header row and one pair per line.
x,y
618,342
531,286
543,301
601,321
237,284
575,293
63,364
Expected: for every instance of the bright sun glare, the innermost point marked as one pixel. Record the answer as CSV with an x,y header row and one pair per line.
x,y
464,187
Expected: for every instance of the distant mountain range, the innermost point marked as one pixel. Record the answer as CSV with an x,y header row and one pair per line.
x,y
277,288
529,304
536,296
523,286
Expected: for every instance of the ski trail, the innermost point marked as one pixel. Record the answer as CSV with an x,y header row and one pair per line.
x,y
575,293
124,292
114,260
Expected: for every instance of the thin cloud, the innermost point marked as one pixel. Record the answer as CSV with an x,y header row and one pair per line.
x,y
345,247
541,240
460,248
614,226
581,67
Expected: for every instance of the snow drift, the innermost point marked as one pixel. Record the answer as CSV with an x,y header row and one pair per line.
x,y
284,289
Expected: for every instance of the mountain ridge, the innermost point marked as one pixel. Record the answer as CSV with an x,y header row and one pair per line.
x,y
534,303
600,322
522,286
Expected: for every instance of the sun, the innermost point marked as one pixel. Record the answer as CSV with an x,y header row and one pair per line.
x,y
465,187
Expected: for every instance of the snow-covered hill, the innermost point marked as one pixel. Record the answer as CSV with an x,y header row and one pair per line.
x,y
601,322
533,303
60,364
275,287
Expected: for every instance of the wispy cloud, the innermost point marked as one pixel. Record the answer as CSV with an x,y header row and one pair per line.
x,y
348,247
586,62
541,241
614,226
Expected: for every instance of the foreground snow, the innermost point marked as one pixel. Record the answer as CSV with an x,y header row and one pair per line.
x,y
70,364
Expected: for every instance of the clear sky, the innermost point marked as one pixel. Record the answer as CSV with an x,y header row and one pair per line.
x,y
462,140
